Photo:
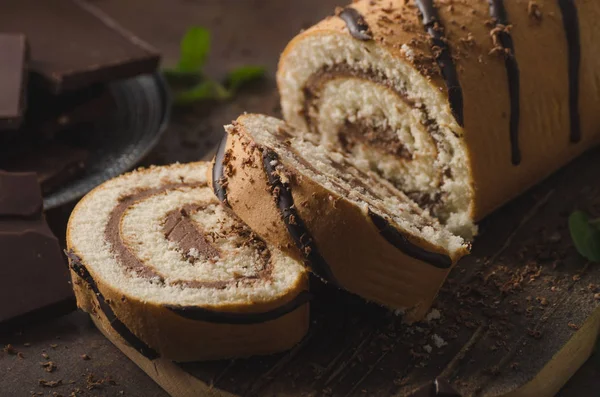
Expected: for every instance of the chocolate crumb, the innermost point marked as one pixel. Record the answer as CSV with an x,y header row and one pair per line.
x,y
534,333
49,366
9,349
534,11
92,383
50,383
573,326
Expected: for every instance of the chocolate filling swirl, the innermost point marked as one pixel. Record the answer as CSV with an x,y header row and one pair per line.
x,y
181,230
193,243
384,140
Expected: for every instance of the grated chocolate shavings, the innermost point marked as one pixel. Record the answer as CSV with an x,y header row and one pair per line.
x,y
50,383
49,366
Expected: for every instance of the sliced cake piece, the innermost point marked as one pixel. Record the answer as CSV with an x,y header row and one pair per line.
x,y
353,228
156,258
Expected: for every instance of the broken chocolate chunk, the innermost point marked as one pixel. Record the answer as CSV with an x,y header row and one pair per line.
x,y
13,79
33,274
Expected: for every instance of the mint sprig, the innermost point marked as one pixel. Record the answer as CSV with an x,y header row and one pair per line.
x,y
585,233
189,82
194,50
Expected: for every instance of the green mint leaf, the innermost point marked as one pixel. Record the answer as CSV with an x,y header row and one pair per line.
x,y
194,50
585,236
243,75
204,91
201,91
221,92
176,77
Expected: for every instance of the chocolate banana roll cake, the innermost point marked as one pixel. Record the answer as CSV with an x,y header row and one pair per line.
x,y
353,228
159,261
460,104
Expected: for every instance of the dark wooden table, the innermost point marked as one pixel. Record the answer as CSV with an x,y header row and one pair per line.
x,y
244,32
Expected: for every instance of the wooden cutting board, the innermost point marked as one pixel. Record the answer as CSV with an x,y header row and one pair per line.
x,y
516,318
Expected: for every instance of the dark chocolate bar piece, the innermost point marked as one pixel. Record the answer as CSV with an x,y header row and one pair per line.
x,y
55,165
33,273
75,45
20,195
13,80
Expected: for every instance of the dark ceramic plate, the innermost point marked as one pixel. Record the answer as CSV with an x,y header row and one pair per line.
x,y
118,143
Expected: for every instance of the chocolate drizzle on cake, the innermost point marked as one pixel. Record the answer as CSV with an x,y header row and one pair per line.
x,y
295,226
443,57
571,25
202,314
501,32
218,173
356,24
397,239
112,318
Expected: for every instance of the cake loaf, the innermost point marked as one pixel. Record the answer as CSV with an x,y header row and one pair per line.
x,y
351,227
157,259
461,104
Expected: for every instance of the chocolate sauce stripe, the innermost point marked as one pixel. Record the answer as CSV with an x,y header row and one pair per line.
x,y
397,239
218,172
202,314
498,13
296,228
356,24
432,24
570,19
118,326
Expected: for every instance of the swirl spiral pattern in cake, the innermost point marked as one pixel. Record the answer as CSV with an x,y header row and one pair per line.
x,y
463,105
157,258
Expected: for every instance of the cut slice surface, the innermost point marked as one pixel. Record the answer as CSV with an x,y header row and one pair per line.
x,y
159,238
